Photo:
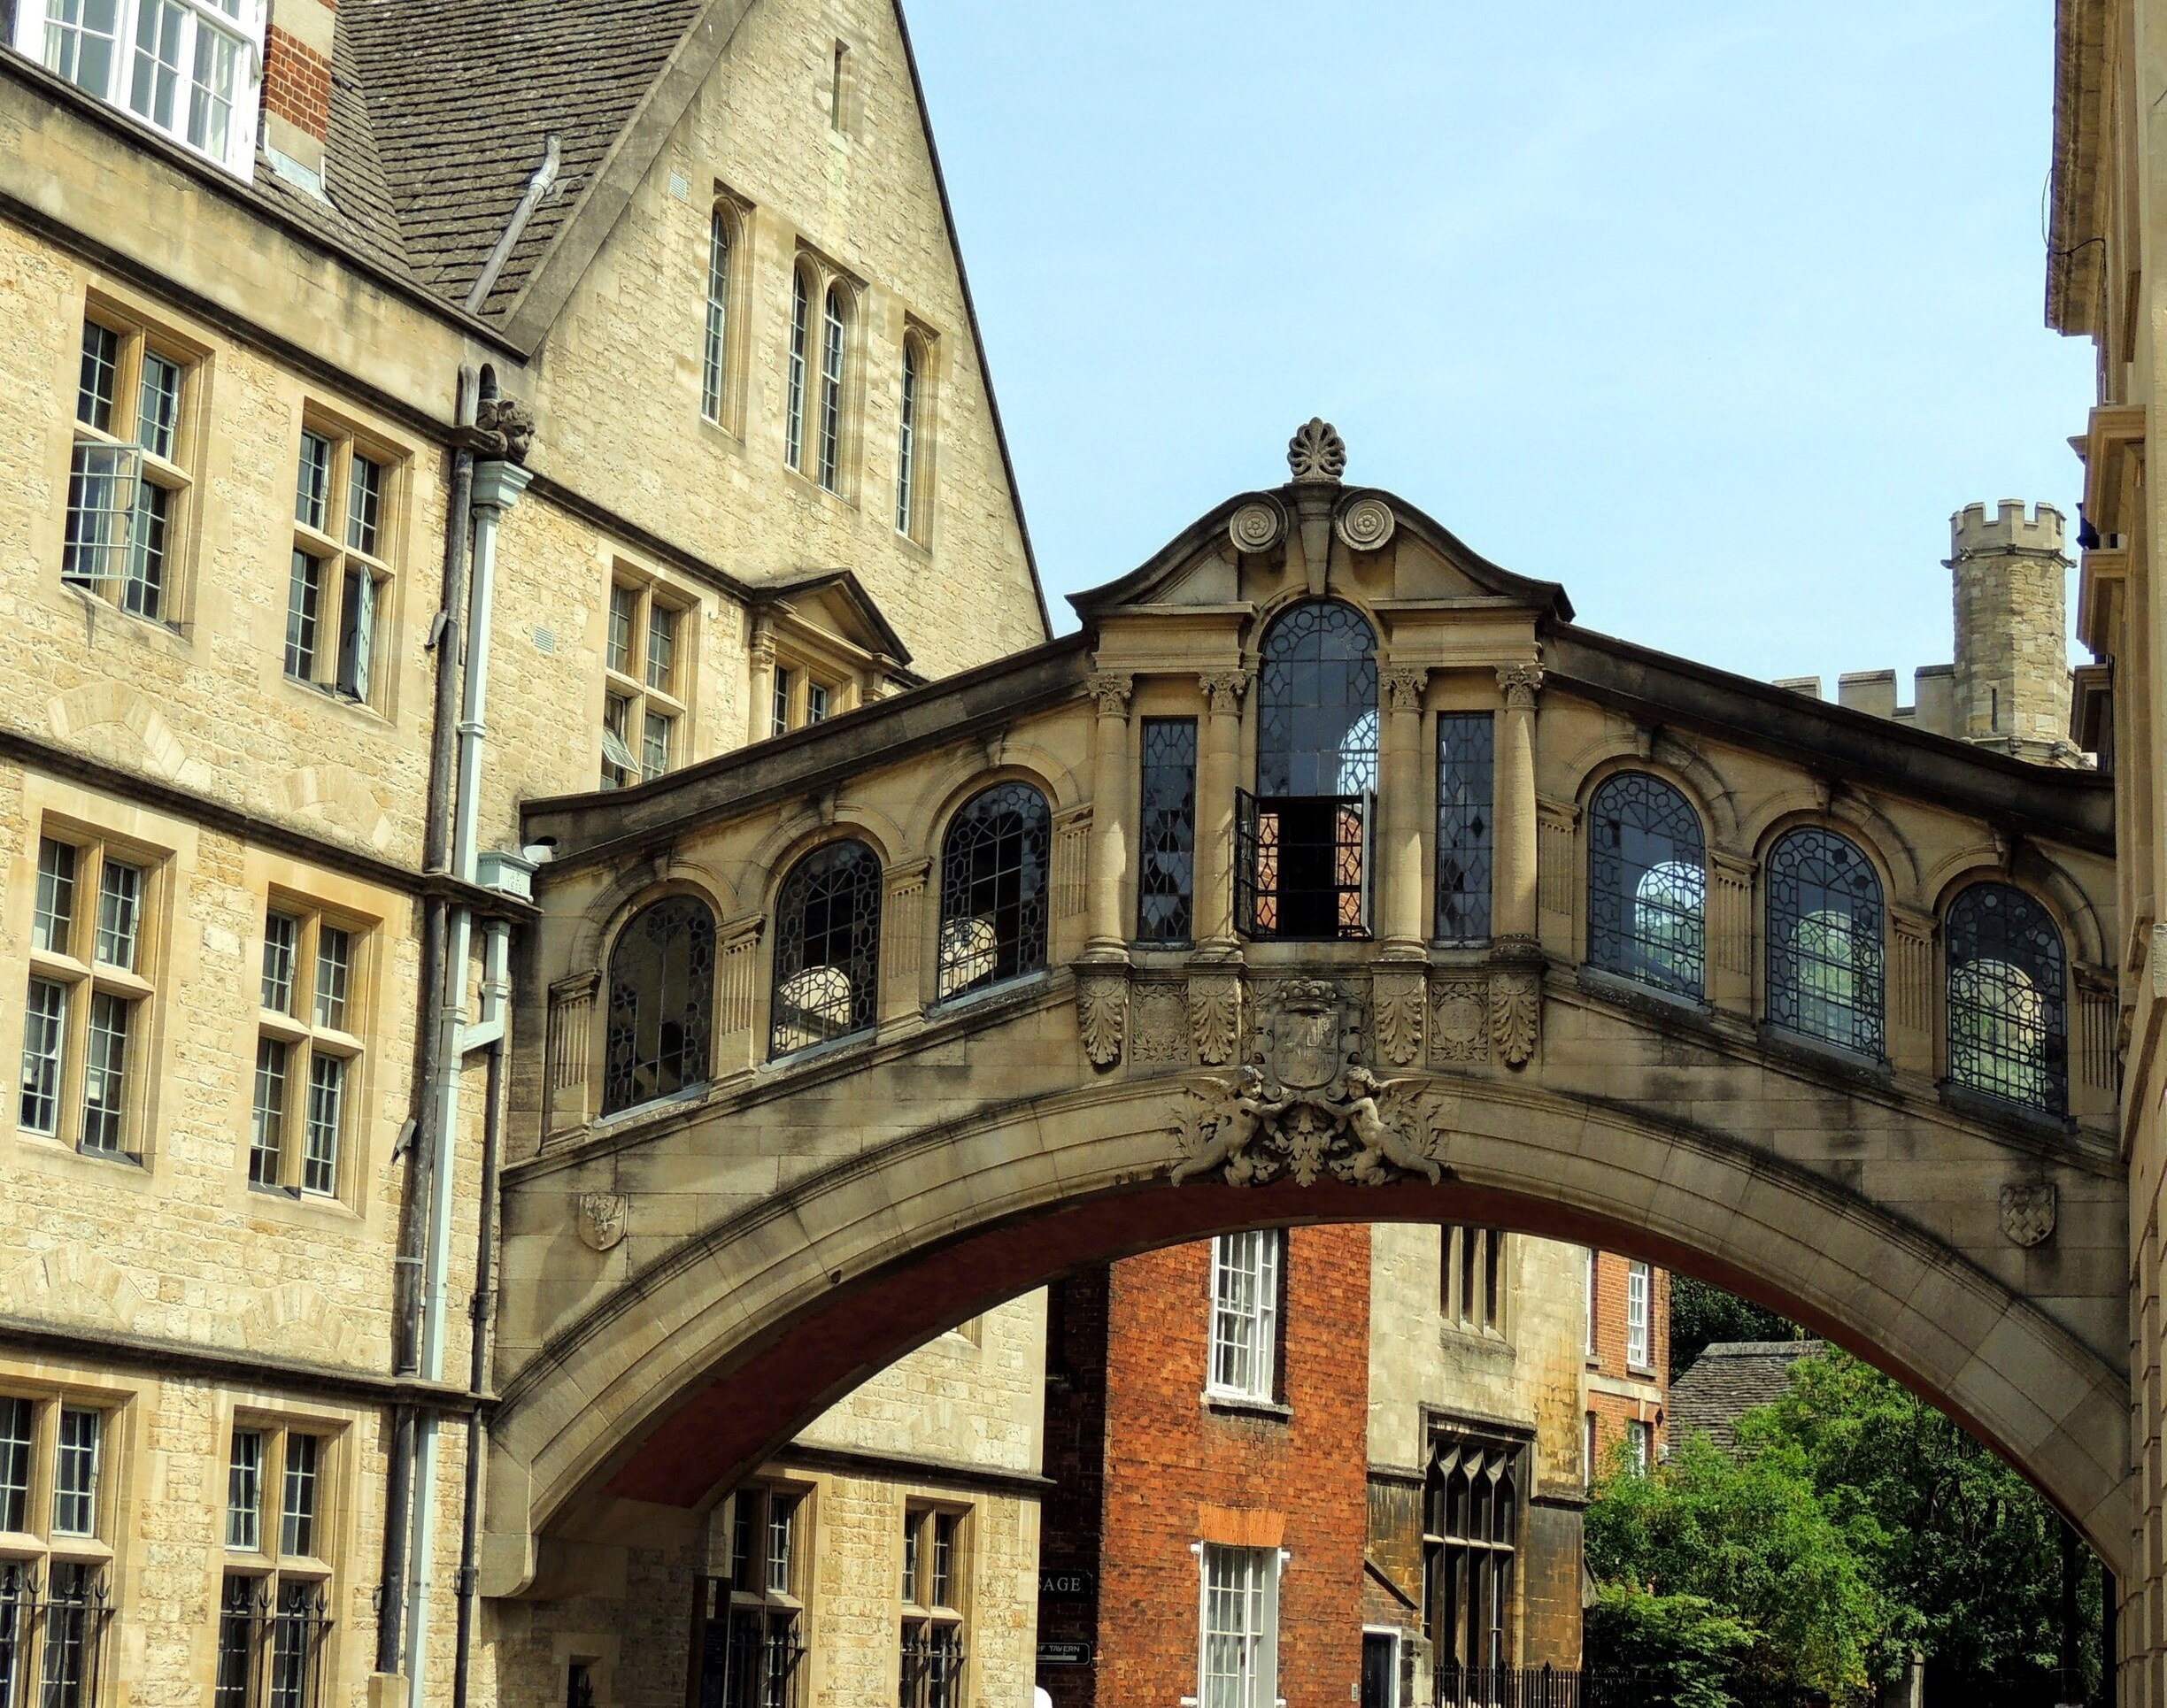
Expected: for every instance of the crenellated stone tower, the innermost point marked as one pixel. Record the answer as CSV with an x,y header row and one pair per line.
x,y
2012,677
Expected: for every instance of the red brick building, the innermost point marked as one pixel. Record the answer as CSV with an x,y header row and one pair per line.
x,y
1628,1357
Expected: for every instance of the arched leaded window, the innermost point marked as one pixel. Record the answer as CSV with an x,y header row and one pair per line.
x,y
715,353
833,329
1824,936
1647,884
794,399
2007,1020
993,888
827,948
1303,865
661,1004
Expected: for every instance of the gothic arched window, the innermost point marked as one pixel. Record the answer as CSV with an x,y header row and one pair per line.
x,y
834,328
1303,865
1647,884
2008,1022
993,888
794,393
1824,930
661,1004
827,948
715,351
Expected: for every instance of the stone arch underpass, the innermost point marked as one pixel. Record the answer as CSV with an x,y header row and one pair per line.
x,y
826,1155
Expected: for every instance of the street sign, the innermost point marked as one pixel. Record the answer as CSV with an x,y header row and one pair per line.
x,y
1064,1654
1067,1586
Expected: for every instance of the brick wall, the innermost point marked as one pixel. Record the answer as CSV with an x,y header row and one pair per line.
x,y
1609,1371
296,83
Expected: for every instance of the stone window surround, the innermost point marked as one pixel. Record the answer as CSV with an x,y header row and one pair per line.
x,y
820,274
1471,1317
328,546
915,526
652,590
736,212
305,1039
783,641
139,333
113,1498
268,1564
926,1616
84,975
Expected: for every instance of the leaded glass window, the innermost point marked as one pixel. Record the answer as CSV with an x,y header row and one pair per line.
x,y
1467,764
2007,1023
1165,870
827,957
1825,934
1317,703
993,888
1647,884
662,994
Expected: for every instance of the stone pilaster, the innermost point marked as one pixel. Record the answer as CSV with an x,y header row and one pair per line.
x,y
1110,814
1217,768
1400,841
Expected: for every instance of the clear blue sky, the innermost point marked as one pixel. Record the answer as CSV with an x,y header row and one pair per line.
x,y
1712,310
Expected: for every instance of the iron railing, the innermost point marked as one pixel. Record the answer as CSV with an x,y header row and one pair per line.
x,y
1539,1686
52,1636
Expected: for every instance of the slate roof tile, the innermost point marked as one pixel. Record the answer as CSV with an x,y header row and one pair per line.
x,y
1728,1379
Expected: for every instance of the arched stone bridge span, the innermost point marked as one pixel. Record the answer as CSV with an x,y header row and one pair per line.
x,y
1327,859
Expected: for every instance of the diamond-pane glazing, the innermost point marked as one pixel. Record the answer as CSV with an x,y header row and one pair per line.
x,y
1467,764
1166,872
1317,703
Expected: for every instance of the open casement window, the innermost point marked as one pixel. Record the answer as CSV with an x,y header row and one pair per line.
x,y
1470,1540
993,888
339,583
646,710
95,950
1237,1637
1304,851
1476,1279
752,1639
274,1601
54,1502
189,69
935,1581
1245,1293
129,489
827,948
661,1005
307,1086
2008,1002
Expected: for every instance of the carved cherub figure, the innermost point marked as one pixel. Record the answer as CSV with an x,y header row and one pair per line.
x,y
1380,1141
1251,1106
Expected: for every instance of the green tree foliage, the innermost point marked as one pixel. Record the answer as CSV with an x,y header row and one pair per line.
x,y
1701,1315
1853,1527
1684,1650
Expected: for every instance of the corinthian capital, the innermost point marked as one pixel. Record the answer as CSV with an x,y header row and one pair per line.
x,y
1224,688
1520,684
1405,684
1112,689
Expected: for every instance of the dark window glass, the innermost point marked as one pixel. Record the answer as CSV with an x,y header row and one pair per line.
x,y
1472,1535
2008,1025
832,389
993,888
718,317
662,982
1466,765
1317,703
1166,869
100,377
1825,917
793,411
1647,884
827,957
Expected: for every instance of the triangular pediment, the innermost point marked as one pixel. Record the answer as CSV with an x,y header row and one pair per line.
x,y
834,601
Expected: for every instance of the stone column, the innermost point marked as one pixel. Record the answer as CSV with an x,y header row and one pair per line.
x,y
1218,767
1110,814
1399,810
1513,894
760,715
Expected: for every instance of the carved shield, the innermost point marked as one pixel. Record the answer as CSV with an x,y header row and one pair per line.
x,y
1305,1036
2028,1212
602,1219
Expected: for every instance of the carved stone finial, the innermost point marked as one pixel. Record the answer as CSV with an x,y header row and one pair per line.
x,y
1520,684
1316,451
1111,688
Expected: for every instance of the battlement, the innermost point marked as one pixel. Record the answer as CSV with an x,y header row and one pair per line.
x,y
1972,533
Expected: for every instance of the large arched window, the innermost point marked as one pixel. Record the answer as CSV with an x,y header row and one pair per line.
x,y
1303,865
1647,884
661,1004
827,953
993,888
833,330
1824,926
2008,1022
715,352
794,397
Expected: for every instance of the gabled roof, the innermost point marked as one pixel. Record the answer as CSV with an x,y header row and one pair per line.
x,y
840,590
1728,1379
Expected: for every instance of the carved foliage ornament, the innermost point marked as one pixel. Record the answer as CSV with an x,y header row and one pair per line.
x,y
1515,1012
1404,685
1460,1022
1102,1015
1398,999
602,1217
1250,1130
1520,684
1316,451
1111,690
1214,1017
2028,1212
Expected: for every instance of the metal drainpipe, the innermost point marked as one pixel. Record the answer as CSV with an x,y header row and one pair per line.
x,y
496,988
497,488
407,1290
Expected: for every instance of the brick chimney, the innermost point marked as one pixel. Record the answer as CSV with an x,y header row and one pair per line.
x,y
2012,678
296,88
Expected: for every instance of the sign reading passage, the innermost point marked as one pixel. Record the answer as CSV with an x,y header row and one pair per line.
x,y
1064,1654
1067,1586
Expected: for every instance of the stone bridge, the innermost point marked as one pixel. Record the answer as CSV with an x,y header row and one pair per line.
x,y
1329,873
